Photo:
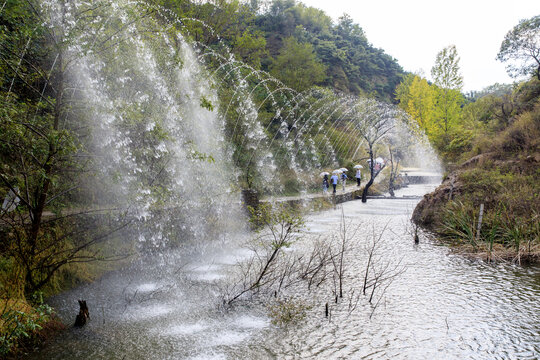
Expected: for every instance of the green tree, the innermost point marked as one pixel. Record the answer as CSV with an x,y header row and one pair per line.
x,y
448,80
297,66
445,72
521,49
45,141
250,47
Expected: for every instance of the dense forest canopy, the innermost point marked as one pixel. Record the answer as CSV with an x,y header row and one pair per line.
x,y
284,33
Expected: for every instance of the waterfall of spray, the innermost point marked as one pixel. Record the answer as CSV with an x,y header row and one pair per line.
x,y
157,135
173,133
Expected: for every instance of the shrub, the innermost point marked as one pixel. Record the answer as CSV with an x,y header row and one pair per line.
x,y
288,311
19,322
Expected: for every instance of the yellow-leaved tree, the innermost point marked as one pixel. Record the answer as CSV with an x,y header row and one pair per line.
x,y
418,98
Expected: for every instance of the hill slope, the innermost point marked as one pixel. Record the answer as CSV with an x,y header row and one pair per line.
x,y
504,177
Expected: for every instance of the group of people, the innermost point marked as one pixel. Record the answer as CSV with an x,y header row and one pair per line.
x,y
334,180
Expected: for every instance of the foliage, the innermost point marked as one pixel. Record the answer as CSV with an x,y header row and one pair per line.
x,y
520,49
458,223
44,144
498,145
448,83
19,322
297,66
445,72
352,64
437,108
418,98
499,226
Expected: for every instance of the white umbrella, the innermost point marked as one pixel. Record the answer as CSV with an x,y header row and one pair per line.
x,y
324,173
344,169
358,167
337,171
379,160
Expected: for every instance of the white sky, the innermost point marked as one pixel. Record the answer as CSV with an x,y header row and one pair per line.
x,y
414,31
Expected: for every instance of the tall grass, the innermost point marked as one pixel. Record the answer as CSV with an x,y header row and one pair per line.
x,y
499,226
458,224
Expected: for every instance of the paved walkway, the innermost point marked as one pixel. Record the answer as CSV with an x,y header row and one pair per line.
x,y
349,190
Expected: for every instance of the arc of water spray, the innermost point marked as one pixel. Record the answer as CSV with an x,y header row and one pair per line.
x,y
301,116
351,126
338,142
277,132
357,148
293,158
333,128
290,112
310,121
323,108
262,82
312,124
263,102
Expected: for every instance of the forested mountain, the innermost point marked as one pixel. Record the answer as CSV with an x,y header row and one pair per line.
x,y
352,64
297,44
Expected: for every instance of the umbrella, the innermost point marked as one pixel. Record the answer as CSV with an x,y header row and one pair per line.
x,y
337,171
324,173
344,169
358,167
379,160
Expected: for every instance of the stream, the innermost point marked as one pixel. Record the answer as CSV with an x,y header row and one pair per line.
x,y
441,306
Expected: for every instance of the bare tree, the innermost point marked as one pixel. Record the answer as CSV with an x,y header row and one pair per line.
x,y
275,232
338,259
379,272
374,120
393,160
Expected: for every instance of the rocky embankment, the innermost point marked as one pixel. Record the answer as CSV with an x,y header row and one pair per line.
x,y
508,192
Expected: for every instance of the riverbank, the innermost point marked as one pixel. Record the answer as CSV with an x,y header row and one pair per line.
x,y
488,209
489,205
168,307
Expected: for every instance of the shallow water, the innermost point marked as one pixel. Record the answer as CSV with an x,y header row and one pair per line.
x,y
441,307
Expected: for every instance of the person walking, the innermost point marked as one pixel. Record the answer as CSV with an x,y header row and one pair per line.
x,y
358,177
334,179
325,184
343,180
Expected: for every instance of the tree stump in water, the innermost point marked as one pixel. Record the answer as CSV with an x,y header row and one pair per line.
x,y
83,315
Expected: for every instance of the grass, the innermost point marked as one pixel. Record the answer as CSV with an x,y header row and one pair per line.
x,y
503,235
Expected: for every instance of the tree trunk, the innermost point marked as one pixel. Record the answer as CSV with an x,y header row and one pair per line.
x,y
42,189
366,188
372,177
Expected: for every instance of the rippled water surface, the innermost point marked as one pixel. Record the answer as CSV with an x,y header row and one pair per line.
x,y
441,307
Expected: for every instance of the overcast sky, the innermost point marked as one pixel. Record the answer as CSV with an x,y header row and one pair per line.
x,y
414,31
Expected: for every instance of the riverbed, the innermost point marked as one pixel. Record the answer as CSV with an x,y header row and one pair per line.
x,y
438,306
